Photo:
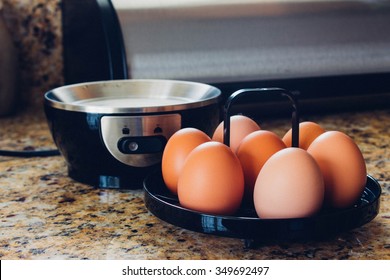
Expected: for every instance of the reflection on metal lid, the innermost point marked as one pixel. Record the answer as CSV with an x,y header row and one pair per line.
x,y
124,102
132,96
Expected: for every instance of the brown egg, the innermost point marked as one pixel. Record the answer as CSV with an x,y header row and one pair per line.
x,y
290,185
179,145
240,126
343,167
308,131
255,149
211,180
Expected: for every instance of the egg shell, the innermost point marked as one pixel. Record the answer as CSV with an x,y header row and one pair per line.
x,y
254,150
290,185
178,147
240,126
343,167
308,131
212,180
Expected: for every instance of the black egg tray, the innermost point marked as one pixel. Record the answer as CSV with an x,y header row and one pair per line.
x,y
245,224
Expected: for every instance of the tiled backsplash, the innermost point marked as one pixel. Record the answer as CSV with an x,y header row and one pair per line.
x,y
35,26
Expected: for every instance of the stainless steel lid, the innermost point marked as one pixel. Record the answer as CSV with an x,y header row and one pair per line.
x,y
132,96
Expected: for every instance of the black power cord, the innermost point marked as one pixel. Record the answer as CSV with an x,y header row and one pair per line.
x,y
27,154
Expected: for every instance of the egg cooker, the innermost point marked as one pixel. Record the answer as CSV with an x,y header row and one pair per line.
x,y
245,224
112,133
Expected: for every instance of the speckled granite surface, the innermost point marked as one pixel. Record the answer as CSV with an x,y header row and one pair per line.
x,y
46,215
35,26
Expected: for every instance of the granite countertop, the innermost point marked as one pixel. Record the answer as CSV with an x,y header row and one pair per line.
x,y
47,215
